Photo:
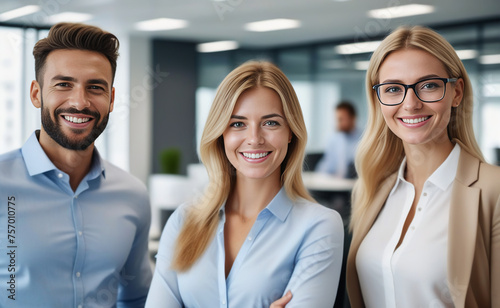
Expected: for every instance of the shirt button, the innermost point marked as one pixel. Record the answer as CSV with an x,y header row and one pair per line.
x,y
80,233
80,306
60,175
412,228
249,238
78,274
425,194
419,209
223,302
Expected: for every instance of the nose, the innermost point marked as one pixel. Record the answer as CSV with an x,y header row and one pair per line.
x,y
411,101
79,98
254,135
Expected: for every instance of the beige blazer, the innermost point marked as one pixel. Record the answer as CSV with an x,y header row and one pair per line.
x,y
474,235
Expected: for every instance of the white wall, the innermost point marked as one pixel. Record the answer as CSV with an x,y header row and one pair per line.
x,y
140,91
114,142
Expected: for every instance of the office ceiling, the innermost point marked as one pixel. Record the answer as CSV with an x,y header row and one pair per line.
x,y
211,20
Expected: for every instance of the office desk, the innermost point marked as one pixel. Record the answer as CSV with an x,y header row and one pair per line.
x,y
330,191
326,183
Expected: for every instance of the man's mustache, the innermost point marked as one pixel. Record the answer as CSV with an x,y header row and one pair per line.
x,y
85,111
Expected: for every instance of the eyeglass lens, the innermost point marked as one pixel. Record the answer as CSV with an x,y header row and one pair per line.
x,y
430,90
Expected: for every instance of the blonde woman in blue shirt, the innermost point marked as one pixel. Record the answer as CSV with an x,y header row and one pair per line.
x,y
256,235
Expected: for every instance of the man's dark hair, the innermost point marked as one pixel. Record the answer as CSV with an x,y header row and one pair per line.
x,y
78,37
347,106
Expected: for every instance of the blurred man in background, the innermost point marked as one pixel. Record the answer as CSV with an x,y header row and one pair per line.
x,y
338,158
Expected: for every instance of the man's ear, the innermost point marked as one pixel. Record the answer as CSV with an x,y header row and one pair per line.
x,y
36,94
112,102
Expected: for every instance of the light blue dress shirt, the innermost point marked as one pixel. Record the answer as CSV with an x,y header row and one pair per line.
x,y
339,153
60,248
293,245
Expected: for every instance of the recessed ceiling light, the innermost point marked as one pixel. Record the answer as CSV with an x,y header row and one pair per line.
x,y
217,46
22,11
401,11
490,59
161,24
69,16
354,48
466,54
272,25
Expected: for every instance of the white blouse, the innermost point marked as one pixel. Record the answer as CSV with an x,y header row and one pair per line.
x,y
415,274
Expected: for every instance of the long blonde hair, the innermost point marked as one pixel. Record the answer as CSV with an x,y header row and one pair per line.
x,y
202,219
380,151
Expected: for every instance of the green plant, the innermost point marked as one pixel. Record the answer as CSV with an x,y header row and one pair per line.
x,y
170,160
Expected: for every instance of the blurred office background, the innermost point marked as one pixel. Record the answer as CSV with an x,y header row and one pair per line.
x,y
166,80
167,75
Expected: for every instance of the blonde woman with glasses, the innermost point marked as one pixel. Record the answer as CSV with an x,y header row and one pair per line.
x,y
256,235
426,207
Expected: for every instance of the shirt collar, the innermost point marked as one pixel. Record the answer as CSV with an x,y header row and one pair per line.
x,y
37,162
280,206
443,176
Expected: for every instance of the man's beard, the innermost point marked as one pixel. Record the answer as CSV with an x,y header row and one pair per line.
x,y
53,128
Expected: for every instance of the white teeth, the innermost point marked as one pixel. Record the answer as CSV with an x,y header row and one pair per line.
x,y
76,120
255,155
414,121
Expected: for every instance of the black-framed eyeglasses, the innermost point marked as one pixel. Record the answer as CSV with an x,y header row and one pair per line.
x,y
429,90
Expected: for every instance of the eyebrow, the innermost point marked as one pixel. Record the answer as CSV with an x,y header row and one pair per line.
x,y
267,116
72,79
420,78
273,115
63,78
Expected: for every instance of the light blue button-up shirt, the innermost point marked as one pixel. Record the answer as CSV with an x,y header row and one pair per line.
x,y
65,248
293,245
339,154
